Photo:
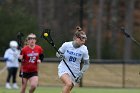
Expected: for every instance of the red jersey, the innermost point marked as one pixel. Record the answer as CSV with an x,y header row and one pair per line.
x,y
30,57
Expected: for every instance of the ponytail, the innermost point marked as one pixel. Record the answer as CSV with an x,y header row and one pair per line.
x,y
79,32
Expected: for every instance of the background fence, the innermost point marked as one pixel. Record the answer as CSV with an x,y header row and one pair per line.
x,y
102,73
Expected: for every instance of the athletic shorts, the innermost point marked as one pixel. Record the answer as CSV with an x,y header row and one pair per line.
x,y
64,70
27,74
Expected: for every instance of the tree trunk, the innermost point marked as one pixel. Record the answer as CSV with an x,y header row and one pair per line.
x,y
99,28
90,33
129,28
114,27
40,17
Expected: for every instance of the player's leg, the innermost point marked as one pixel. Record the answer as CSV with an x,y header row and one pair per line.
x,y
68,85
33,83
8,78
14,73
24,85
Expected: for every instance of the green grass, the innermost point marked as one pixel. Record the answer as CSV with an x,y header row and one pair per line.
x,y
75,90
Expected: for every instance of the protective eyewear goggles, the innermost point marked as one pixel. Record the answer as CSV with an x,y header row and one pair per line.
x,y
30,38
83,37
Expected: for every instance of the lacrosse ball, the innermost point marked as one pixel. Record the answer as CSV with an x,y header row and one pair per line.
x,y
45,34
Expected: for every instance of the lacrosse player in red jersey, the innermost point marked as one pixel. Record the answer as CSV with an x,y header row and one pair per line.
x,y
31,55
72,53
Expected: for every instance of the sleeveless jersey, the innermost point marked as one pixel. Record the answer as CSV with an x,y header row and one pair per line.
x,y
30,57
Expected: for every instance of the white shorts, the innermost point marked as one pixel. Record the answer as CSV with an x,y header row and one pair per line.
x,y
62,70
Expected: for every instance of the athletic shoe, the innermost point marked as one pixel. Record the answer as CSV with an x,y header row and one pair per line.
x,y
8,86
15,86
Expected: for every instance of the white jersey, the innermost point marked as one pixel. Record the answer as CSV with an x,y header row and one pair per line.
x,y
12,57
73,57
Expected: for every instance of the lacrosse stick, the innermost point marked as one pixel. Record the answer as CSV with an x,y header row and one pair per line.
x,y
19,39
20,43
47,36
128,36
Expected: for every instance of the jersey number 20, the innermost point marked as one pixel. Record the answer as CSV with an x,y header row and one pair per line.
x,y
73,59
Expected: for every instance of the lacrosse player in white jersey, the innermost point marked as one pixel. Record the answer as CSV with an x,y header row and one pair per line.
x,y
73,52
11,57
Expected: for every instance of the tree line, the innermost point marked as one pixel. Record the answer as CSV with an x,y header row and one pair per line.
x,y
101,19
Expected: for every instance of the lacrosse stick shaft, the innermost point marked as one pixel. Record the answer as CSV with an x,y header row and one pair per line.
x,y
128,36
20,43
69,68
135,41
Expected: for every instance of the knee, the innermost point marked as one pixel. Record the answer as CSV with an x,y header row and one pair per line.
x,y
69,84
33,86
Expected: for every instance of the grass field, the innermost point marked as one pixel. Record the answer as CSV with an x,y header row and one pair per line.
x,y
75,90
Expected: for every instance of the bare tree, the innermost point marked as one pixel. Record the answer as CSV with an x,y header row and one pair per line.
x,y
99,28
40,12
90,33
114,26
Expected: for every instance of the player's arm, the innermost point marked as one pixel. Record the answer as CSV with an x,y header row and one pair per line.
x,y
85,65
8,56
60,55
86,61
20,56
84,68
41,56
61,51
